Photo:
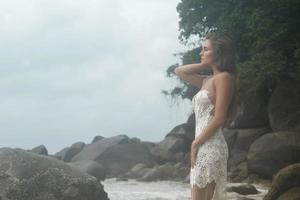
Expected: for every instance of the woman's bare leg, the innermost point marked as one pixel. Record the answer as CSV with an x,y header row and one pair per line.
x,y
205,193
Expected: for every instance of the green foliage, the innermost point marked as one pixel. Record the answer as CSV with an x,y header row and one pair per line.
x,y
266,34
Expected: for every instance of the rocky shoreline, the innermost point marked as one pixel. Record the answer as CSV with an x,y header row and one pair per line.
x,y
171,190
263,141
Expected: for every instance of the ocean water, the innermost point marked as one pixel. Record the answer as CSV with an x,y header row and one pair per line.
x,y
163,190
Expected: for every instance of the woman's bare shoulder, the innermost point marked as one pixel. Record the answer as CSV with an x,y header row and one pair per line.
x,y
224,78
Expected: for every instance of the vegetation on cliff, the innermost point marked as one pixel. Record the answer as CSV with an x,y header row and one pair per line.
x,y
266,34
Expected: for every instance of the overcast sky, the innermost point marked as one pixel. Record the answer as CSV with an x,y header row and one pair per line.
x,y
71,70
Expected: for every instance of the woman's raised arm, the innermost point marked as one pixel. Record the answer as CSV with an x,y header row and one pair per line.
x,y
189,74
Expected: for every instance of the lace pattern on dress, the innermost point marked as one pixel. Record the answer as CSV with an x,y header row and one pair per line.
x,y
212,155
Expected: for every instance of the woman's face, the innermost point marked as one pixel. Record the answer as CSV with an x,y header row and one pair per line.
x,y
207,54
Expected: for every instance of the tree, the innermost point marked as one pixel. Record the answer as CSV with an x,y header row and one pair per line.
x,y
266,34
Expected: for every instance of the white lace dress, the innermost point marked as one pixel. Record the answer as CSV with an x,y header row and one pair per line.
x,y
211,162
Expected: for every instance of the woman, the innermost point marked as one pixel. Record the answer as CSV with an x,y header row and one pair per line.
x,y
209,151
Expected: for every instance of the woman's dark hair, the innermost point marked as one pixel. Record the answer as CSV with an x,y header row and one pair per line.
x,y
224,51
225,56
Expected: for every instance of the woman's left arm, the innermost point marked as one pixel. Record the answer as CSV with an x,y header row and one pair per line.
x,y
224,92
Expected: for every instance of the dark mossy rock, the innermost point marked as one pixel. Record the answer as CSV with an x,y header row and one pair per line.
x,y
285,184
284,107
273,151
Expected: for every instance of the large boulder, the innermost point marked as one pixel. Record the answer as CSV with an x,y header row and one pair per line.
x,y
243,138
97,138
116,154
243,189
138,171
251,110
94,151
92,168
167,171
182,131
149,145
285,184
175,145
230,136
29,176
284,107
191,122
291,194
273,151
238,173
121,158
162,172
171,149
68,153
41,149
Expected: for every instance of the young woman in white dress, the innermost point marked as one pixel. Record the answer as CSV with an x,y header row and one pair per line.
x,y
209,151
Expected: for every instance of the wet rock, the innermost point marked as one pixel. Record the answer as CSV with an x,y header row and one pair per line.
x,y
243,189
291,194
273,151
285,180
283,108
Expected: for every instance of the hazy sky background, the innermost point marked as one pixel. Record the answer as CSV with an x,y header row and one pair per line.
x,y
71,70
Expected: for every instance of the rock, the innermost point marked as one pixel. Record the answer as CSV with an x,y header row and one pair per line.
x,y
291,194
245,137
167,150
191,122
253,178
149,145
187,159
59,155
251,105
285,180
92,168
78,145
243,189
167,171
134,140
116,154
182,131
238,142
273,151
119,159
42,150
187,179
93,151
230,137
96,139
162,172
239,173
68,153
235,159
29,176
180,173
138,171
283,109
